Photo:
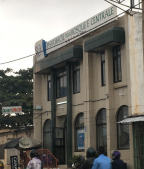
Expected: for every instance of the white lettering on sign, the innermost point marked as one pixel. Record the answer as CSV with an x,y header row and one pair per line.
x,y
81,29
43,48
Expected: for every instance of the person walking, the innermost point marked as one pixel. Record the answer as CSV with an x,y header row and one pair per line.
x,y
117,162
102,162
90,155
1,165
35,163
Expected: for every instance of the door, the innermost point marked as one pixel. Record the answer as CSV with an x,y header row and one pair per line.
x,y
59,144
138,145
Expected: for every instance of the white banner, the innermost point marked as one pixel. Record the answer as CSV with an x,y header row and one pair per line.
x,y
95,22
43,48
12,109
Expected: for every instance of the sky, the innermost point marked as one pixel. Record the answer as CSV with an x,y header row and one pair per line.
x,y
24,22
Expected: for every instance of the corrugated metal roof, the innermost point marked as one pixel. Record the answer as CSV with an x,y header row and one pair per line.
x,y
132,119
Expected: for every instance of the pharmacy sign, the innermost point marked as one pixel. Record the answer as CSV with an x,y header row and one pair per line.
x,y
43,48
12,109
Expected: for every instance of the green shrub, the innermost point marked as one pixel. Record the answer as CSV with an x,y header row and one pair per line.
x,y
77,160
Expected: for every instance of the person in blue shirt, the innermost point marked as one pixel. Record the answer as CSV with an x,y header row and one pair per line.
x,y
102,162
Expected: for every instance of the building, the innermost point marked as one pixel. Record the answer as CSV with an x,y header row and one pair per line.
x,y
7,135
88,83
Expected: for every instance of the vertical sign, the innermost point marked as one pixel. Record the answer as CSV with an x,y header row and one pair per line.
x,y
14,162
40,49
81,139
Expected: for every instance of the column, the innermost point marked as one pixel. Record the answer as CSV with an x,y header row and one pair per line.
x,y
53,106
89,114
69,114
111,120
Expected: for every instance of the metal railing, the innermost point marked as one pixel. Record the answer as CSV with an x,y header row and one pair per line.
x,y
47,158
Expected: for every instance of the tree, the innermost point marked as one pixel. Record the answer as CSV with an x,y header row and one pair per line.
x,y
16,90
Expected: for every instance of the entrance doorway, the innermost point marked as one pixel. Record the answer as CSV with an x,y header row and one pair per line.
x,y
59,144
138,136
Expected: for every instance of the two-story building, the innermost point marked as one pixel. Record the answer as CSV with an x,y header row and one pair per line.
x,y
88,79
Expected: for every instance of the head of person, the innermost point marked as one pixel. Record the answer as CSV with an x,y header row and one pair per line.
x,y
116,155
1,165
90,152
33,153
24,154
101,150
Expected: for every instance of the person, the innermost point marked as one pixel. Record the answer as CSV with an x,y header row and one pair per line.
x,y
35,163
1,165
90,155
23,160
117,162
102,162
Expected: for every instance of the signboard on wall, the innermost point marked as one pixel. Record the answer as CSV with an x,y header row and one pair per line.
x,y
40,49
14,162
89,25
81,139
12,109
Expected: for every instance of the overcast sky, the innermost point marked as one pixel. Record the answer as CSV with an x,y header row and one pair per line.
x,y
24,22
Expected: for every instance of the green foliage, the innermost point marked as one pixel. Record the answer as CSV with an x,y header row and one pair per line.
x,y
77,160
16,90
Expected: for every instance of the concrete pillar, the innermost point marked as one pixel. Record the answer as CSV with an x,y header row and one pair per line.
x,y
89,115
53,106
110,112
143,29
69,114
37,100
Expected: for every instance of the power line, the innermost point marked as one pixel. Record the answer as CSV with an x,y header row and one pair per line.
x,y
84,32
17,59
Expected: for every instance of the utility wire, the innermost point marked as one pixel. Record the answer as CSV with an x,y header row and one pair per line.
x,y
17,59
68,39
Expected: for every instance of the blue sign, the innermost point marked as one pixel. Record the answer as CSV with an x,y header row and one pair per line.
x,y
81,139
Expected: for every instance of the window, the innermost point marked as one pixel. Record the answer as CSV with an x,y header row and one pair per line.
x,y
103,68
101,126
117,64
47,135
123,129
76,77
49,87
79,133
61,82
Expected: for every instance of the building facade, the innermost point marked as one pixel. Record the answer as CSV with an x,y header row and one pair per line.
x,y
87,86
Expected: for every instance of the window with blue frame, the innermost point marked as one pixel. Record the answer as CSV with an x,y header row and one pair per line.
x,y
61,78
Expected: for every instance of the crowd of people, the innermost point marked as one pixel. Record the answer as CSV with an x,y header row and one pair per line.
x,y
102,161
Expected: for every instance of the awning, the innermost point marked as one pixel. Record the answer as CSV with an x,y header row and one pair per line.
x,y
132,119
114,35
72,52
